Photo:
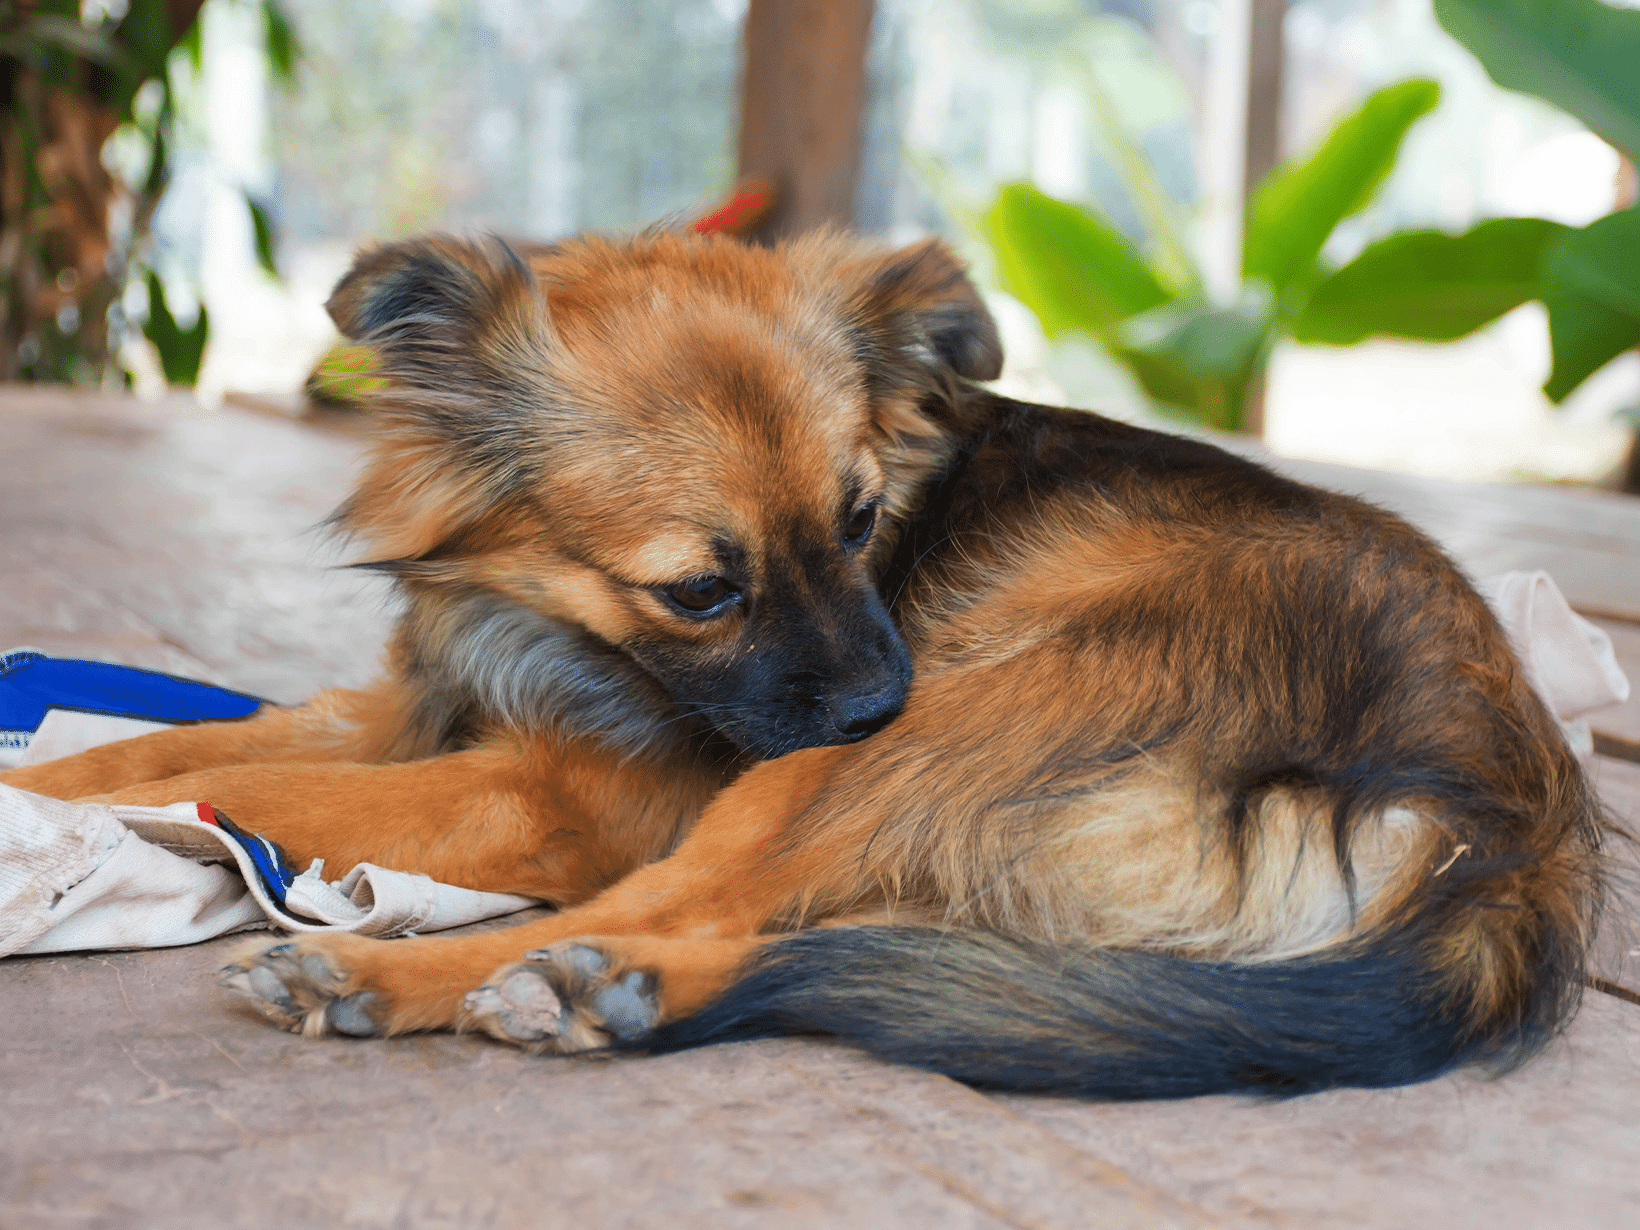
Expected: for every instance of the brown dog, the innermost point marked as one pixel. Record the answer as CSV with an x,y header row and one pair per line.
x,y
733,607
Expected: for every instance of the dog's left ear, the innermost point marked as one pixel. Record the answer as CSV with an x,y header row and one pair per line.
x,y
917,304
462,339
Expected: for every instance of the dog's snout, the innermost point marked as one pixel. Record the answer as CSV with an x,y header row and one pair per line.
x,y
859,714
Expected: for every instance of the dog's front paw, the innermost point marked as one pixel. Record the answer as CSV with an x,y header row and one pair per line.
x,y
573,996
305,986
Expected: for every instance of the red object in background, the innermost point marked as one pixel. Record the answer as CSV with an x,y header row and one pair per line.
x,y
745,207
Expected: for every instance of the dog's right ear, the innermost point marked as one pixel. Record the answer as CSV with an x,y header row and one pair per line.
x,y
917,306
463,342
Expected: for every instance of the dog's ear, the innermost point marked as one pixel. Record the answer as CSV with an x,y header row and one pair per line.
x,y
427,299
462,339
918,305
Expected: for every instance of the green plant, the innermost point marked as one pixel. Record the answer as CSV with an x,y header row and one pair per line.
x,y
1582,56
1206,360
87,131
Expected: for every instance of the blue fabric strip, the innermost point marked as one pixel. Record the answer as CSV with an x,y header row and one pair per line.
x,y
32,683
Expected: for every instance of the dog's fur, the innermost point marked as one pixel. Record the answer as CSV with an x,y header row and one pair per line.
x,y
1180,777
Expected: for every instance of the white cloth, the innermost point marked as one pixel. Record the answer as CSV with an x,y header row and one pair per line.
x,y
84,875
1569,661
65,732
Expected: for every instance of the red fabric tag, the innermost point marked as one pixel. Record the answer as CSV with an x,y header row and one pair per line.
x,y
207,813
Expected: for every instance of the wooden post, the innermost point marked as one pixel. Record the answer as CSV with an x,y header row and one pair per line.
x,y
802,96
1264,65
1261,146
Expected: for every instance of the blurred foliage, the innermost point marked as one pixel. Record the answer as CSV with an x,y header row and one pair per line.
x,y
345,377
1077,271
87,132
534,119
181,350
1584,57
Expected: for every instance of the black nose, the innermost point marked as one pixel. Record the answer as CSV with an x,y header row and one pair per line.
x,y
859,714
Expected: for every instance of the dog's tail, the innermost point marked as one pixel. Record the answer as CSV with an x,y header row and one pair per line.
x,y
1004,1013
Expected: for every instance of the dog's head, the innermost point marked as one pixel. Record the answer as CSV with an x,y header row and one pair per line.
x,y
688,450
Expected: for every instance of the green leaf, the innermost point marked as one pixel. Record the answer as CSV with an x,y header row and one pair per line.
x,y
1214,401
1203,339
193,45
1069,267
1602,261
146,31
1584,335
1592,290
180,350
1429,285
1581,55
262,226
1298,204
281,45
1199,357
158,166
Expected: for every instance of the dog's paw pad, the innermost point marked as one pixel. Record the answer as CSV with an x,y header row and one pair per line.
x,y
518,1006
627,1006
567,998
268,990
351,1015
303,990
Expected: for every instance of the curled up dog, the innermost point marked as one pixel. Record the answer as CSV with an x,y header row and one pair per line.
x,y
826,691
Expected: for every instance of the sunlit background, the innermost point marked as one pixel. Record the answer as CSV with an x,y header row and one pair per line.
x,y
539,117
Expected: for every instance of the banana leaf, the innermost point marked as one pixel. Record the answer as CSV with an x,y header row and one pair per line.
x,y
1200,357
1300,203
1429,285
1072,269
1581,55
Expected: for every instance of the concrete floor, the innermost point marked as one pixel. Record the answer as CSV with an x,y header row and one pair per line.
x,y
133,1093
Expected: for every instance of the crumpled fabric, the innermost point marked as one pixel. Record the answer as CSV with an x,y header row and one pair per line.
x,y
79,876
90,876
1569,661
76,876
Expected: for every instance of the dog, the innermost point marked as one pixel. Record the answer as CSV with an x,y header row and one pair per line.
x,y
826,691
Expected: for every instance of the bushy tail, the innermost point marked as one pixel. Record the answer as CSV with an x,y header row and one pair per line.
x,y
1009,1014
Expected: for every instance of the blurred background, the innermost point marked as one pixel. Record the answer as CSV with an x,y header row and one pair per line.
x,y
1232,214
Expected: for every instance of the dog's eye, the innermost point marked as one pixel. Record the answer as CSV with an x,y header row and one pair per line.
x,y
860,525
706,595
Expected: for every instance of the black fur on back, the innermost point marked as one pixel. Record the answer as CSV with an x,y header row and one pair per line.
x,y
1004,1013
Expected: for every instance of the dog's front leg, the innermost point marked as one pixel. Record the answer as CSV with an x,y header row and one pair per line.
x,y
695,916
335,725
505,816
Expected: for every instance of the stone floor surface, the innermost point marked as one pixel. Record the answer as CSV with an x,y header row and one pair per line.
x,y
133,1093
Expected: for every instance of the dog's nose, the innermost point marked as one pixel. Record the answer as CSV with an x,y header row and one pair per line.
x,y
859,714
